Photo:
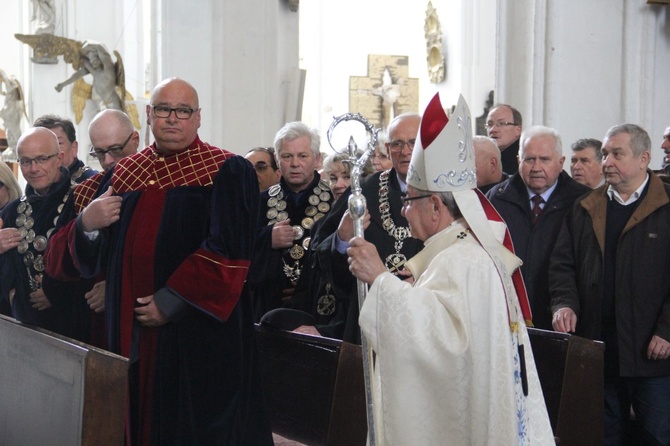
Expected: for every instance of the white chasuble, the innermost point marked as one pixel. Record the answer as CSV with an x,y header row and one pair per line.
x,y
447,368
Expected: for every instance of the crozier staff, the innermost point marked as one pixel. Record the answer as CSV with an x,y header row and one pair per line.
x,y
439,342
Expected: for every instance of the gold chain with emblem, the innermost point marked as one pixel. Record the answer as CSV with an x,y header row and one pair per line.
x,y
33,259
394,262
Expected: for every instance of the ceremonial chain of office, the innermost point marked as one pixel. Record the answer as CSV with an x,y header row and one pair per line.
x,y
393,262
32,245
318,206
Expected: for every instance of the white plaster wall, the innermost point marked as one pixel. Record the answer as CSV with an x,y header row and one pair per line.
x,y
581,66
336,37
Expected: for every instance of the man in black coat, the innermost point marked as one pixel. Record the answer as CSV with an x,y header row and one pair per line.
x,y
609,281
504,125
534,228
388,230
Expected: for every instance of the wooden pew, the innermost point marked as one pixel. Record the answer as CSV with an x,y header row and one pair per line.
x,y
313,387
571,375
315,393
57,391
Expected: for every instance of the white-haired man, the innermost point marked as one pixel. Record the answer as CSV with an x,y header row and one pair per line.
x,y
533,203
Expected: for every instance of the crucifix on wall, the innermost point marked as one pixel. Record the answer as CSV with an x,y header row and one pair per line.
x,y
386,92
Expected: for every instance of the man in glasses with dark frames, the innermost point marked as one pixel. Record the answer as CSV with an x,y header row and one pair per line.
x,y
449,365
107,132
504,124
176,258
67,140
33,218
265,164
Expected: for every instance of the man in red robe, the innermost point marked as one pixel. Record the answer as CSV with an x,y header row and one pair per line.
x,y
177,252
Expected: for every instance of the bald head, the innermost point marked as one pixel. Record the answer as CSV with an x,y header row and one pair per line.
x,y
40,158
112,137
403,129
487,160
173,133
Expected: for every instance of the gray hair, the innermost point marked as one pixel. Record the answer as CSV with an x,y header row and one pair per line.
x,y
295,130
639,138
490,141
585,143
539,131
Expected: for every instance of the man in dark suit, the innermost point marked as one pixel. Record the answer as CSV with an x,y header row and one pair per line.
x,y
534,227
387,230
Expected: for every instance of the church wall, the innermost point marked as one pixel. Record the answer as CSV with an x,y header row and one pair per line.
x,y
337,37
581,66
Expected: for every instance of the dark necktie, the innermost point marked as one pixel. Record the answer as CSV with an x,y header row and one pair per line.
x,y
537,210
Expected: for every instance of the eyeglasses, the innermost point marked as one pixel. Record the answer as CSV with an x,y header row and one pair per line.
x,y
399,144
491,124
261,166
161,111
114,151
40,160
406,200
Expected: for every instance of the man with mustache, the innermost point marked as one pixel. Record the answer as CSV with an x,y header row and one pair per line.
x,y
533,203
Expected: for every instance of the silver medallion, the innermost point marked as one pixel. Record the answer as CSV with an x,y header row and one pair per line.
x,y
23,247
40,243
313,200
325,306
21,208
21,220
324,196
323,207
305,243
310,211
298,232
271,213
283,215
30,236
28,258
29,222
274,190
39,264
281,205
272,202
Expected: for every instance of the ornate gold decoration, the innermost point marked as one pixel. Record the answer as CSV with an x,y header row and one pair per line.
x,y
434,55
86,58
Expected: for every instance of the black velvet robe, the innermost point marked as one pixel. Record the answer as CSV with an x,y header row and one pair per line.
x,y
69,314
185,235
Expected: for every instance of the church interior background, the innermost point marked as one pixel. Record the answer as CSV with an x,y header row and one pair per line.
x,y
579,66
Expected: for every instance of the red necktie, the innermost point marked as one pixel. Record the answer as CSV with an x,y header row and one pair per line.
x,y
537,210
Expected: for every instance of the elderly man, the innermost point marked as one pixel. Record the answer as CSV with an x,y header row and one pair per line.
x,y
335,305
112,137
609,281
177,253
265,165
450,364
287,212
585,162
489,164
533,203
67,140
29,222
504,125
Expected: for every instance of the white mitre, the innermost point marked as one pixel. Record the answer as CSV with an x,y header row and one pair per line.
x,y
443,159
